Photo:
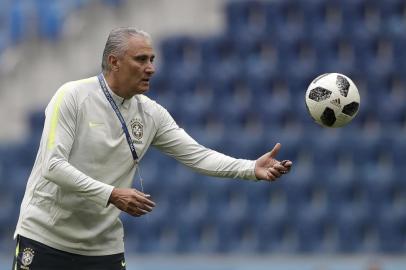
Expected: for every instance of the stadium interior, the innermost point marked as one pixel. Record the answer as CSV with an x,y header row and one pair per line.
x,y
240,91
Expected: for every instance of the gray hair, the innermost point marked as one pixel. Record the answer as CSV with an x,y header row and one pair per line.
x,y
117,43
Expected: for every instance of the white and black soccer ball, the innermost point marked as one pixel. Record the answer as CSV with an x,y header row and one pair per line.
x,y
332,100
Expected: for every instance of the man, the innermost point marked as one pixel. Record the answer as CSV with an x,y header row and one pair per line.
x,y
96,131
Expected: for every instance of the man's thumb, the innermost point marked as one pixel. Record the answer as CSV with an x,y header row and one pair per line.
x,y
275,150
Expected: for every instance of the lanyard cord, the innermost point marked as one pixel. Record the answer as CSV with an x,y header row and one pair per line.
x,y
119,115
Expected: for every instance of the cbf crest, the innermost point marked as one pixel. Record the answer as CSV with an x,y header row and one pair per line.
x,y
137,129
27,257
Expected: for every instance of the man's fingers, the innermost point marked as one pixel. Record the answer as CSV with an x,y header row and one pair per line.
x,y
139,209
142,197
274,172
147,202
270,176
146,207
275,150
287,164
280,167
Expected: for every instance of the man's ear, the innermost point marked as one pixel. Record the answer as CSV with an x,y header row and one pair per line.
x,y
114,62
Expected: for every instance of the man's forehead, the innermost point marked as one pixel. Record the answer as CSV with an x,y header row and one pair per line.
x,y
139,43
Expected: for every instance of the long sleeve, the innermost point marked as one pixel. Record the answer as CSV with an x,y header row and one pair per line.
x,y
83,155
175,142
60,125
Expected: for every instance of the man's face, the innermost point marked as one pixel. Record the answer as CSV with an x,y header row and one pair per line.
x,y
136,66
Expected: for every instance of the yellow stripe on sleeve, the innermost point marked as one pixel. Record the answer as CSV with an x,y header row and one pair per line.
x,y
54,119
17,251
17,248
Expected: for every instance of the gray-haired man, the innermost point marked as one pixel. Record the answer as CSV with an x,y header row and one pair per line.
x,y
96,131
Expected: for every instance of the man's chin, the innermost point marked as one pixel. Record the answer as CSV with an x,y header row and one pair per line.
x,y
142,90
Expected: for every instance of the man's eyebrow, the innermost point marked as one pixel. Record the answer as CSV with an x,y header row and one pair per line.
x,y
144,55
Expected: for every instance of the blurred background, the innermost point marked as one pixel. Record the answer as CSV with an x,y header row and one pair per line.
x,y
233,74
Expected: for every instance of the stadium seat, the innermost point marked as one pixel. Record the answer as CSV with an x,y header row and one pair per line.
x,y
313,228
324,18
290,24
51,16
222,58
299,187
345,189
379,182
392,230
18,21
354,230
248,18
182,57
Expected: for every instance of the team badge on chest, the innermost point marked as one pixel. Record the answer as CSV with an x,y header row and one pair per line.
x,y
27,257
137,129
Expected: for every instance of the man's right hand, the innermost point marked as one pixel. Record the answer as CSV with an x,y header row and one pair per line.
x,y
132,201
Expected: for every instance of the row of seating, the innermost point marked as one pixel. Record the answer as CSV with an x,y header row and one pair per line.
x,y
269,231
351,17
218,47
23,20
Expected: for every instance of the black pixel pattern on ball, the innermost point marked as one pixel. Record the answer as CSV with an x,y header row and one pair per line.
x,y
319,94
351,108
343,85
328,117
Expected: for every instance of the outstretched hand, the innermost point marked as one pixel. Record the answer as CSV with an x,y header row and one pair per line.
x,y
268,168
132,201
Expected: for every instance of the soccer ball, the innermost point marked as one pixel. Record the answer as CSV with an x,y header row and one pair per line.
x,y
332,100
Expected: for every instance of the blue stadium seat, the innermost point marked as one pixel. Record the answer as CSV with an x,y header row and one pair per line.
x,y
393,23
354,228
9,209
299,187
378,58
336,53
262,58
398,148
300,60
182,57
222,58
324,18
382,192
392,230
313,227
51,16
399,42
145,238
18,20
36,121
345,189
192,227
290,23
236,235
3,41
113,3
247,17
162,92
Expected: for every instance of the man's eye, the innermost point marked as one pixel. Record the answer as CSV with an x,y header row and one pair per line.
x,y
141,58
144,58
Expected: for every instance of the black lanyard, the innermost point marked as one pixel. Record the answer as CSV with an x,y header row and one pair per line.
x,y
120,117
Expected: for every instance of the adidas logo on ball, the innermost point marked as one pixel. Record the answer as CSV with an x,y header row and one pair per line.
x,y
336,102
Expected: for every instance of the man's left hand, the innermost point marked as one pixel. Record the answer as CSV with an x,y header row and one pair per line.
x,y
268,168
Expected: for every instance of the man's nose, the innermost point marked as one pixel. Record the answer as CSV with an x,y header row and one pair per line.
x,y
150,69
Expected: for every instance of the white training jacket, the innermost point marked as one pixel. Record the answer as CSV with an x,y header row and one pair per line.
x,y
83,155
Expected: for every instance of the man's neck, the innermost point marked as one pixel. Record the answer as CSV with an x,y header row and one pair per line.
x,y
113,84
